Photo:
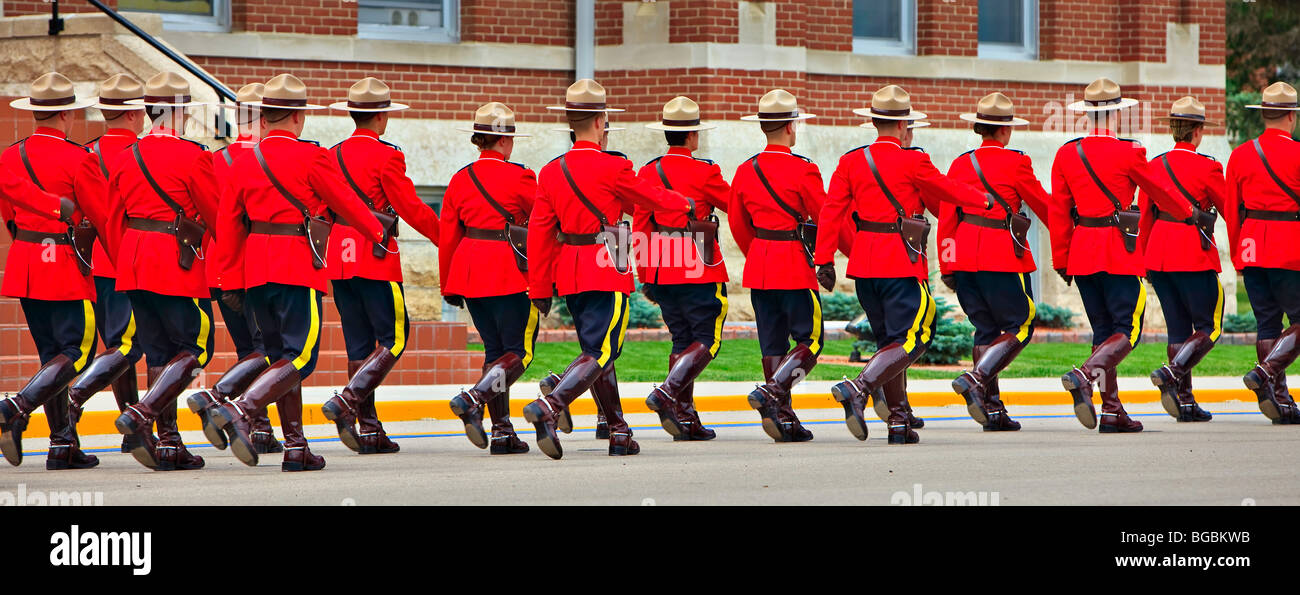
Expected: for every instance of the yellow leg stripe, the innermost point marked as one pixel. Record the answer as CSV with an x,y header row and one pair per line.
x,y
912,334
616,321
399,315
816,346
627,317
1033,312
87,336
128,338
1138,312
927,331
313,334
717,324
1218,316
530,333
205,329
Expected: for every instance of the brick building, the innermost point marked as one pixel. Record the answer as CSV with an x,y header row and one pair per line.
x,y
446,57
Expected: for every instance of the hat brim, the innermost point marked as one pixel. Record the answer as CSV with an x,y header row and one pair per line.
x,y
1082,106
611,129
667,128
472,131
25,104
143,103
308,107
1206,122
116,107
343,107
1285,109
608,110
797,118
978,120
910,126
910,116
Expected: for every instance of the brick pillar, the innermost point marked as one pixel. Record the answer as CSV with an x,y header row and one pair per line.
x,y
947,27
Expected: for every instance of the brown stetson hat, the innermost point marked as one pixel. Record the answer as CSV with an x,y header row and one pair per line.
x,y
585,95
1190,109
1280,96
494,118
285,91
778,105
891,102
1102,95
166,89
369,95
52,92
681,114
115,92
995,109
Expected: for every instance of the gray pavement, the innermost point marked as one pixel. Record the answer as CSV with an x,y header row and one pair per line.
x,y
1235,458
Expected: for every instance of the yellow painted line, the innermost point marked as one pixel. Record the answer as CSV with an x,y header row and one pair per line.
x,y
101,422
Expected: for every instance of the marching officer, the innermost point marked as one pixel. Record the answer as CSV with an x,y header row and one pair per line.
x,y
1094,243
985,257
682,268
1182,260
582,195
886,188
242,328
776,199
45,272
1262,213
484,267
115,366
367,276
162,199
283,187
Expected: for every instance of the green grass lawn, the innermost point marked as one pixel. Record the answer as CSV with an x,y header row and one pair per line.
x,y
647,361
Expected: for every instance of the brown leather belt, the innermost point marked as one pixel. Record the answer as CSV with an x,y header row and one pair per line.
x,y
1272,215
877,226
39,237
479,233
276,229
776,235
146,224
578,239
1163,216
675,230
988,222
1096,222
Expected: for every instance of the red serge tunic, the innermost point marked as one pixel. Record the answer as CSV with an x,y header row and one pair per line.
x,y
483,268
1122,166
34,270
917,186
310,174
1258,243
222,160
610,184
1174,246
675,260
971,248
92,184
147,260
379,170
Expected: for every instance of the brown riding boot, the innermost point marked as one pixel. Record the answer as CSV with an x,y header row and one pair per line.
x,y
895,392
689,418
999,419
374,440
565,423
170,451
48,382
343,409
504,439
231,385
545,412
1105,358
989,360
884,366
1176,398
666,398
297,455
164,389
1114,419
233,417
1270,373
605,391
65,448
110,368
773,401
496,380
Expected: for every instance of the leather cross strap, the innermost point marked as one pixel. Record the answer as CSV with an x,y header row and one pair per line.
x,y
103,167
338,153
799,219
987,186
663,177
1170,170
488,197
261,160
1259,150
139,160
1078,145
27,163
875,171
564,166
225,153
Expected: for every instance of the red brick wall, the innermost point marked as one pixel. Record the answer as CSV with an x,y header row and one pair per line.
x,y
1078,30
536,22
609,22
13,8
815,24
696,21
1212,15
315,17
947,27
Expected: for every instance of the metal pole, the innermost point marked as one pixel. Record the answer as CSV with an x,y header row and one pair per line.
x,y
584,40
56,22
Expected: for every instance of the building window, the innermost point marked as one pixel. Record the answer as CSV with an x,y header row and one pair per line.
x,y
1009,29
884,26
184,15
412,20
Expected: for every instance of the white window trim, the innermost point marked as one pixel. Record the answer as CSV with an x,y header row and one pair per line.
x,y
906,46
219,23
449,32
1016,51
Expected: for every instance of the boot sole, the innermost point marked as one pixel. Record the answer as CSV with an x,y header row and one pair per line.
x,y
199,406
10,446
1083,408
241,447
903,440
61,465
1109,429
140,450
624,451
1168,395
548,442
473,431
880,406
771,425
296,467
501,450
857,425
347,433
564,422
666,420
963,387
1266,404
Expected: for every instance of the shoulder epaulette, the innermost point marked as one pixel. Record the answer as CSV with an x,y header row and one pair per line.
x,y
616,154
91,142
1160,155
1131,140
914,149
802,157
655,159
336,145
703,160
752,157
1075,140
310,142
1014,150
399,149
966,153
856,149
554,159
519,165
196,143
1210,157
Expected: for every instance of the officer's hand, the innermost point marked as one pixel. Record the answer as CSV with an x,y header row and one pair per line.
x,y
826,276
648,290
233,300
543,306
455,300
949,281
1069,279
66,208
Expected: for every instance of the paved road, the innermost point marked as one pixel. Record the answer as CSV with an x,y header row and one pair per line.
x,y
1052,461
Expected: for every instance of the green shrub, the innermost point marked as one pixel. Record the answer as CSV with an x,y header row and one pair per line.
x,y
1050,316
840,306
952,339
1239,323
560,312
641,313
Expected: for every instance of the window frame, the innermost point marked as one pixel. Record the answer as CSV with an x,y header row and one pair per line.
x,y
219,22
905,45
1013,51
448,32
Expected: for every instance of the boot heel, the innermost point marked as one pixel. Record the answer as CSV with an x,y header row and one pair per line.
x,y
547,441
200,406
473,431
347,434
1083,408
666,418
775,430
